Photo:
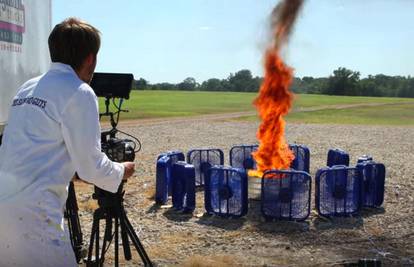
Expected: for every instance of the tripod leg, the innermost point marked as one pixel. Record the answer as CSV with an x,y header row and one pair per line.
x,y
135,240
116,241
124,236
93,232
97,245
107,237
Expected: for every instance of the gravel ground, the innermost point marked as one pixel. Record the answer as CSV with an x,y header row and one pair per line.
x,y
172,238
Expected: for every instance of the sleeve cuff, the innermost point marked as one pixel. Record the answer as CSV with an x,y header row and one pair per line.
x,y
113,184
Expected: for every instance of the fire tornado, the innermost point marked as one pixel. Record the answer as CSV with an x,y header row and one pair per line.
x,y
275,99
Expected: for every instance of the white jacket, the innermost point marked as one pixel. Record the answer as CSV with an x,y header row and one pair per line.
x,y
53,131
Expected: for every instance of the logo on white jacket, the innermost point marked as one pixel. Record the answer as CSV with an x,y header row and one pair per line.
x,y
30,101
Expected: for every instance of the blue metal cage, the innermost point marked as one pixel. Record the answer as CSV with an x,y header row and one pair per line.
x,y
175,155
302,157
225,191
203,159
162,179
241,156
183,186
286,195
163,182
337,191
372,177
337,156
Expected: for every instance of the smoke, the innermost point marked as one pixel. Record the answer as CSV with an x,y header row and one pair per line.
x,y
282,20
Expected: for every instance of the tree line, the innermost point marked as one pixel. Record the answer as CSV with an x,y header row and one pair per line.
x,y
343,81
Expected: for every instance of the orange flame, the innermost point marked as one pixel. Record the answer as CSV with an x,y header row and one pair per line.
x,y
275,99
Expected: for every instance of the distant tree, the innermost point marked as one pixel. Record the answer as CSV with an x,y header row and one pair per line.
x,y
212,84
164,86
189,84
408,89
243,81
297,85
342,82
368,87
141,84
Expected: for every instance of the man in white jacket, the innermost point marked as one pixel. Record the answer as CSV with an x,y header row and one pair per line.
x,y
53,131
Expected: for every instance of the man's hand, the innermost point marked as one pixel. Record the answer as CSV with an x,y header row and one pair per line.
x,y
129,169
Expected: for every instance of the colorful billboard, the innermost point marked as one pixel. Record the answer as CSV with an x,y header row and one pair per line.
x,y
24,28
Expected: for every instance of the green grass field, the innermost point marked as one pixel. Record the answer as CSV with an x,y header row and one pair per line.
x,y
307,108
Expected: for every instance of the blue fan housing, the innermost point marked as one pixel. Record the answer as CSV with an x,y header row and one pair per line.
x,y
183,186
203,159
241,156
286,195
175,155
162,179
302,157
364,158
372,177
337,157
337,191
163,182
225,191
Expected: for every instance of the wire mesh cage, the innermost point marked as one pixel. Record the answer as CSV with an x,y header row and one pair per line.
x,y
203,159
286,195
372,177
302,157
337,156
163,182
241,156
225,191
337,191
183,186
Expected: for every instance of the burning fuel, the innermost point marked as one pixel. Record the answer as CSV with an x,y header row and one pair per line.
x,y
275,99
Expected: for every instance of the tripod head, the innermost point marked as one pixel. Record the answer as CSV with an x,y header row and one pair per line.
x,y
108,200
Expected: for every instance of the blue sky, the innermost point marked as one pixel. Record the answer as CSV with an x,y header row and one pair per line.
x,y
169,40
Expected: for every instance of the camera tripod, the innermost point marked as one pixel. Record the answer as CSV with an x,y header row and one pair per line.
x,y
75,230
111,209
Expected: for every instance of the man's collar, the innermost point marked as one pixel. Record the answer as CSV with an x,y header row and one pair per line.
x,y
61,67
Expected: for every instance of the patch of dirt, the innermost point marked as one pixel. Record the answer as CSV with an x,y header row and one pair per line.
x,y
175,239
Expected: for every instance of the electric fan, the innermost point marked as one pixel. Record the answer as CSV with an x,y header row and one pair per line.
x,y
302,157
163,175
225,191
175,155
372,177
286,195
337,191
337,157
183,186
241,156
203,159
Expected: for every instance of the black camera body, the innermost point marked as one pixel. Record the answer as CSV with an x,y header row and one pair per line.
x,y
118,150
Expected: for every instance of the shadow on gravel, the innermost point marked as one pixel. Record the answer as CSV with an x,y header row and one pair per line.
x,y
177,216
221,222
367,212
154,208
283,227
322,223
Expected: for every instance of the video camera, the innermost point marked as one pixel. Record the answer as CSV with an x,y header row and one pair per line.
x,y
111,86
